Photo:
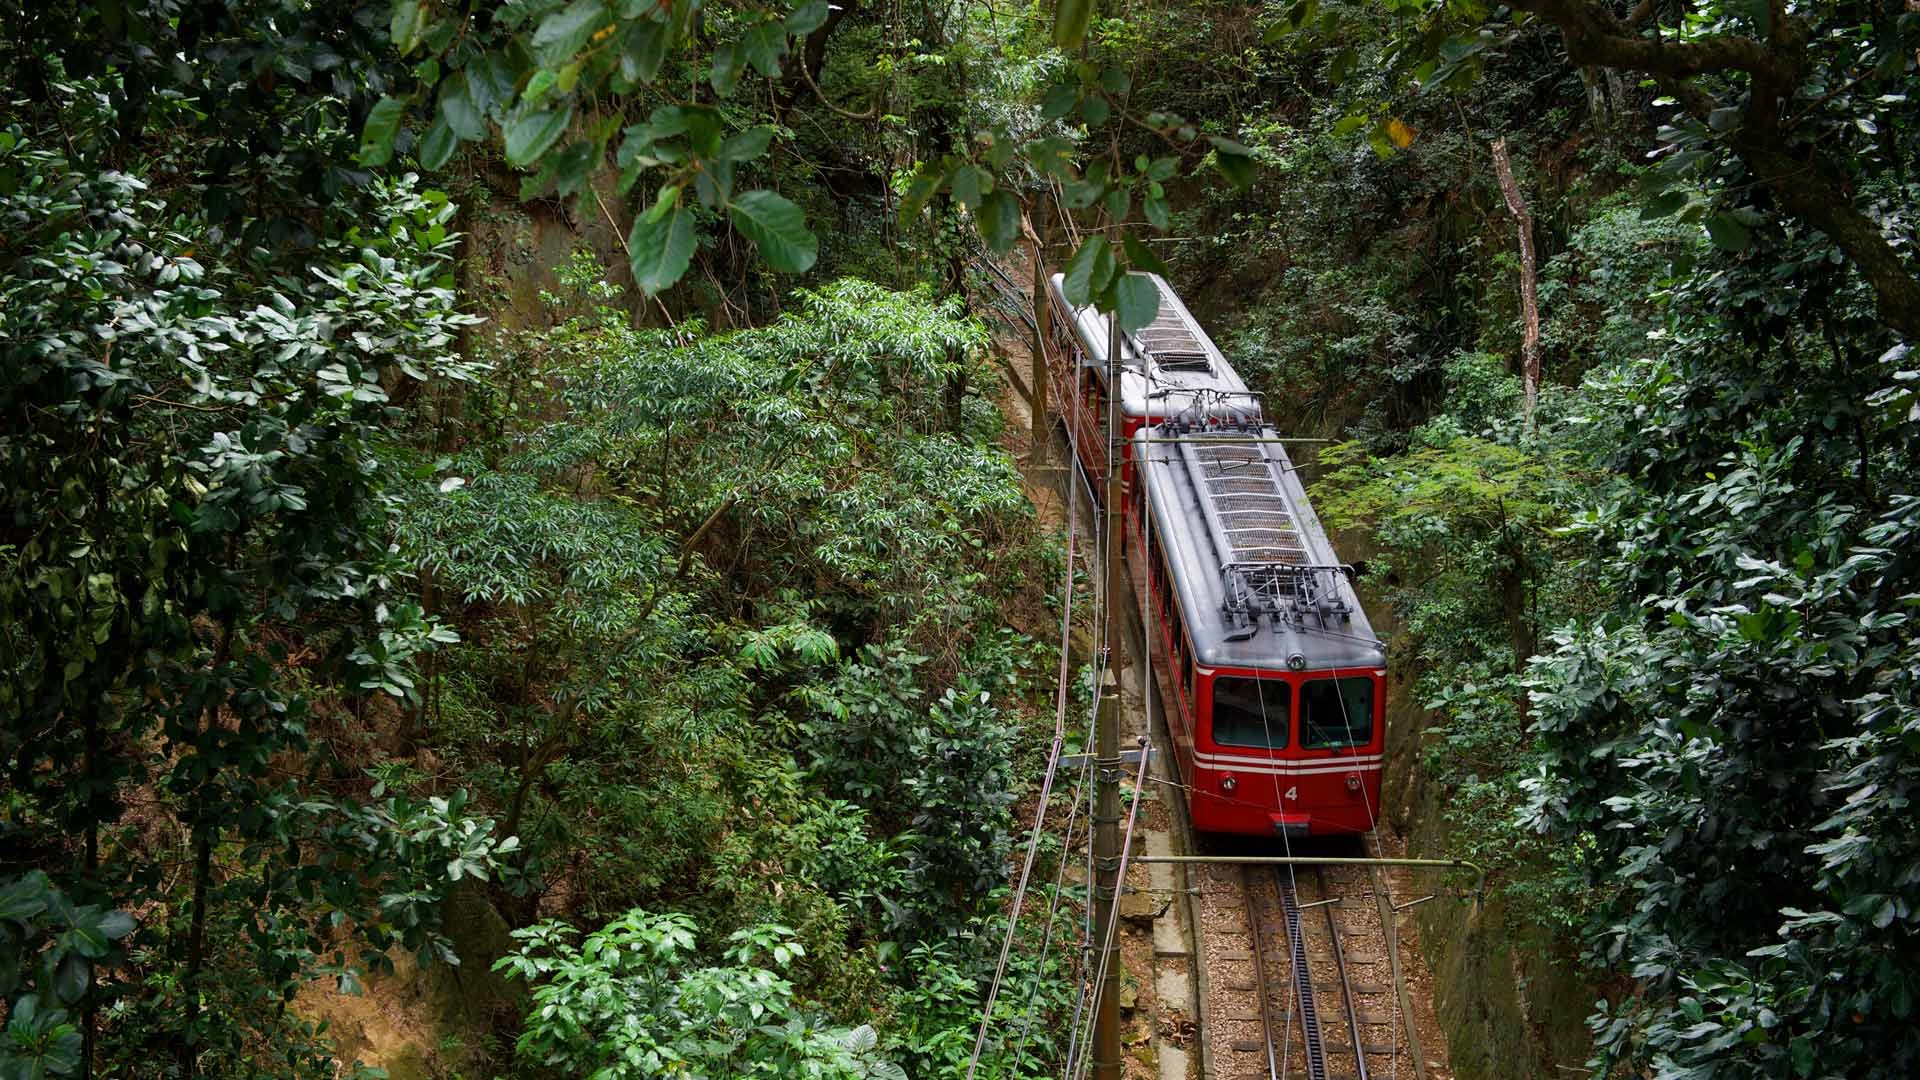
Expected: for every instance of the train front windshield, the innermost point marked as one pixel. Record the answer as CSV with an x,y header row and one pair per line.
x,y
1251,712
1336,714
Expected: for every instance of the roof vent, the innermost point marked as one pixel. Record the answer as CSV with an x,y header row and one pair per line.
x,y
1170,339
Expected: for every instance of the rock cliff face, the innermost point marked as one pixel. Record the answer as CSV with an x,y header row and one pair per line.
x,y
422,1022
1513,1005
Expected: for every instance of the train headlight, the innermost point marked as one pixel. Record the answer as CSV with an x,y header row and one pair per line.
x,y
1228,783
1353,783
1297,662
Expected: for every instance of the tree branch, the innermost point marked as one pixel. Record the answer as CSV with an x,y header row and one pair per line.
x,y
1798,176
1595,35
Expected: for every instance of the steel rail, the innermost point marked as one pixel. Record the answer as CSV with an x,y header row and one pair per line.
x,y
1384,903
1255,931
1346,984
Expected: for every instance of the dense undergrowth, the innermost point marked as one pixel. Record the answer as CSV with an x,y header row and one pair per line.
x,y
703,653
730,664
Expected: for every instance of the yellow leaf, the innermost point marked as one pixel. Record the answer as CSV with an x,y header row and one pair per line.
x,y
1400,133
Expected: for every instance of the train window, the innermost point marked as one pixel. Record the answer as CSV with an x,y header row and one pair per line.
x,y
1336,713
1251,712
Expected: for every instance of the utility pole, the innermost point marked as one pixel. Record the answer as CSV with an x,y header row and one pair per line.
x,y
1042,328
1106,739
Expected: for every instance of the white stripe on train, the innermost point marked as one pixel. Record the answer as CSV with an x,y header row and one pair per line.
x,y
1229,761
1245,771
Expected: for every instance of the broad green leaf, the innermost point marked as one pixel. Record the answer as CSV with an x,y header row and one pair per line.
x,y
1060,100
458,108
1349,124
1000,220
25,898
116,925
726,69
1342,65
73,978
531,132
437,147
920,190
1136,301
646,50
970,184
376,139
1234,161
1299,15
777,228
1728,234
1155,208
565,32
661,249
1142,256
537,86
1070,21
1088,271
663,203
805,18
405,27
1095,110
765,44
491,81
1662,205
746,145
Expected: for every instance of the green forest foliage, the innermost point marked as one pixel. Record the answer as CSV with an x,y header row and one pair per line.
x,y
683,626
1664,630
326,603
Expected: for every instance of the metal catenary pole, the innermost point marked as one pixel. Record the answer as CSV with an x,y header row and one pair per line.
x,y
1106,851
1042,324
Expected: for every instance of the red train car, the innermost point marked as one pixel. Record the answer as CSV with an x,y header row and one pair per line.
x,y
1272,677
1167,368
1273,680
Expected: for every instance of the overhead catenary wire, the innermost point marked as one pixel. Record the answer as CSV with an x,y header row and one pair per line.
x,y
1046,786
1102,548
1289,707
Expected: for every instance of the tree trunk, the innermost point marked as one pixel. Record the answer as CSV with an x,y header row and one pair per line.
x,y
956,394
1529,297
1513,604
1799,176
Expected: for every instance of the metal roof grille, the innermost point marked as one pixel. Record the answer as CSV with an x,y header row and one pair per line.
x,y
1171,341
1266,569
1245,500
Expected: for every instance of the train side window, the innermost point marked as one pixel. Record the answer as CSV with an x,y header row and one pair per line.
x,y
1251,712
1336,713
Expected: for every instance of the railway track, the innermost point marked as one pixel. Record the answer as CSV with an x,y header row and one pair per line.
x,y
1320,1004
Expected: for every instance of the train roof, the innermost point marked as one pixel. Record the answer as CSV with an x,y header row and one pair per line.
x,y
1166,367
1258,580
